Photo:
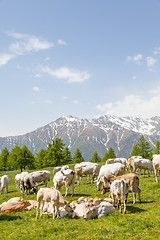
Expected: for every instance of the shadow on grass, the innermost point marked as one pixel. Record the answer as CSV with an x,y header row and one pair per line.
x,y
5,217
80,195
133,209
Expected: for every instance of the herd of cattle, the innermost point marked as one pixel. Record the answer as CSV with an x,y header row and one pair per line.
x,y
111,175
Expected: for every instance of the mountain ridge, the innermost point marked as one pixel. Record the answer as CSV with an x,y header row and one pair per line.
x,y
98,134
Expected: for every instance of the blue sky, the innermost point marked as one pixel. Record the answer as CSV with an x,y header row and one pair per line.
x,y
84,58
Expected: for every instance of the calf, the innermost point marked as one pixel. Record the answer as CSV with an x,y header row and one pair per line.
x,y
86,168
4,183
65,177
133,181
108,171
103,209
156,165
56,199
119,188
27,183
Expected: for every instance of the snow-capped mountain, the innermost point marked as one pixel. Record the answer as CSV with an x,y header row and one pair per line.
x,y
120,133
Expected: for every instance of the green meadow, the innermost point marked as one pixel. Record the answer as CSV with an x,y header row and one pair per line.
x,y
142,220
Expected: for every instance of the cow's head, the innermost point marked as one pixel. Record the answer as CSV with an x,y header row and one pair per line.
x,y
68,208
91,212
106,188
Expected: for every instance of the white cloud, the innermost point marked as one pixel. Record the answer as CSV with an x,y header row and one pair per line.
x,y
151,61
76,102
133,105
29,44
70,75
129,58
61,42
137,58
37,75
36,89
5,58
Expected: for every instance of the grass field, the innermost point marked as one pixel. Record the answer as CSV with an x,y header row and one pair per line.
x,y
142,221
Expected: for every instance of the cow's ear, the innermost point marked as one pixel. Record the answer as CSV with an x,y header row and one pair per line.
x,y
93,211
65,202
100,201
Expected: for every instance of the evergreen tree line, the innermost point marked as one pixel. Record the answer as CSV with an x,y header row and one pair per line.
x,y
57,154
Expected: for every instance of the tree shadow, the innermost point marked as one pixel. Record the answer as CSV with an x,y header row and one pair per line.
x,y
5,217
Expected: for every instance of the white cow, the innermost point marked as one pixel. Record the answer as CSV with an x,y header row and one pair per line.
x,y
54,197
86,168
4,183
41,176
103,209
108,171
18,178
57,169
65,177
119,188
142,164
28,183
156,165
120,160
130,160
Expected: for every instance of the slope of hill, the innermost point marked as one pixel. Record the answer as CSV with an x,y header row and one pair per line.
x,y
120,133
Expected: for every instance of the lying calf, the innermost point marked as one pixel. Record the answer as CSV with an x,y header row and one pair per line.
x,y
103,209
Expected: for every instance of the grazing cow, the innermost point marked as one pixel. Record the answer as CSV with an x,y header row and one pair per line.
x,y
156,165
130,160
41,176
120,160
21,178
27,183
103,209
57,169
108,171
4,183
133,181
119,188
56,199
65,177
86,168
142,164
17,180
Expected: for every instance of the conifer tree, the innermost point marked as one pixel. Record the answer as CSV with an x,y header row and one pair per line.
x,y
157,147
142,148
4,159
67,158
77,158
111,153
95,158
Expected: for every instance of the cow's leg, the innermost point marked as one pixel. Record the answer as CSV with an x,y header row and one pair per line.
x,y
54,212
155,173
38,205
78,179
144,173
148,173
119,203
45,183
134,197
125,202
88,177
41,209
93,176
72,189
57,211
67,188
